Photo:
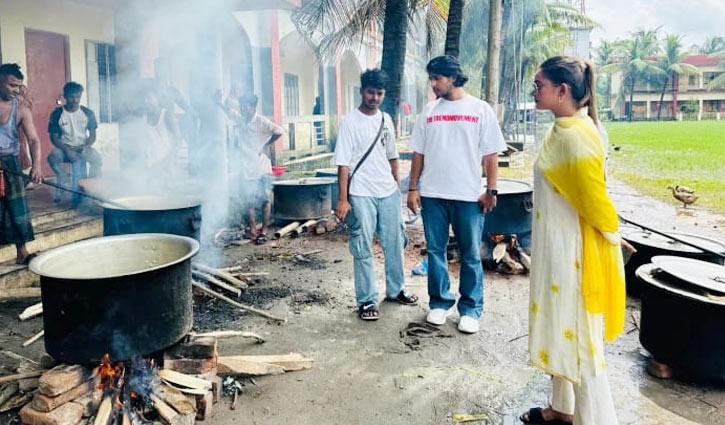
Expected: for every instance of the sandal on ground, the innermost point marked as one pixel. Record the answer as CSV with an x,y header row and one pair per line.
x,y
535,416
368,311
405,298
261,239
27,259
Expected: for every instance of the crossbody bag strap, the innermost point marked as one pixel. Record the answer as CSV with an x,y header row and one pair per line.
x,y
364,157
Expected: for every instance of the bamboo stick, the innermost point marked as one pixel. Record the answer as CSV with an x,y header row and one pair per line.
x,y
19,376
286,229
308,224
214,281
222,274
32,311
236,304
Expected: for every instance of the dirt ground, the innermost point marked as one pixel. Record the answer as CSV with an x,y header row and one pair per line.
x,y
366,373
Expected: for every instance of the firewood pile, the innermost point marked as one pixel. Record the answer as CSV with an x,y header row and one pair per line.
x,y
235,236
182,389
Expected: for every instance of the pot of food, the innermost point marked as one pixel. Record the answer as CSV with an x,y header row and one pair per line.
x,y
153,214
683,314
650,244
330,173
512,214
126,295
303,199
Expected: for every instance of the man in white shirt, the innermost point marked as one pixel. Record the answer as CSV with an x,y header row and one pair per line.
x,y
72,129
367,160
454,136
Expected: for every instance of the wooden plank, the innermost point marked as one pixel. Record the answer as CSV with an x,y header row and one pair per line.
x,y
228,334
19,376
104,411
175,399
62,378
170,416
19,293
184,380
67,414
32,311
236,366
44,403
290,362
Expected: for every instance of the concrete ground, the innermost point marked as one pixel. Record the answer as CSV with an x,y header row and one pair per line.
x,y
364,373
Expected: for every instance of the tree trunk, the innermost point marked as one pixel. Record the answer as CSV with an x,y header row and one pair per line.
x,y
662,97
453,27
631,99
395,30
493,72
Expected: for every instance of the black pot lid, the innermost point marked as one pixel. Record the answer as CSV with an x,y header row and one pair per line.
x,y
649,274
511,186
706,275
324,172
654,240
308,181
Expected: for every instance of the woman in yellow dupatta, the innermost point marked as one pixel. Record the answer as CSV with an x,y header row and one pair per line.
x,y
577,278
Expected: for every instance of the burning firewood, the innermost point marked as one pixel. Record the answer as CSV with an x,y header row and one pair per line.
x,y
103,414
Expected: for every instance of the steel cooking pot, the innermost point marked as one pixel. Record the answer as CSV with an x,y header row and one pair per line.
x,y
153,214
302,199
127,295
330,173
513,211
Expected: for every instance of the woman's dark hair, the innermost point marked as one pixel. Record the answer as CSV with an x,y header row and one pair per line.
x,y
374,78
72,87
11,69
578,75
447,66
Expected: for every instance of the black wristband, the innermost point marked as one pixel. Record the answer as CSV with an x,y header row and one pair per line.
x,y
412,190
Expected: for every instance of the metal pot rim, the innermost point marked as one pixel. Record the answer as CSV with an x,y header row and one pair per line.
x,y
308,181
36,265
152,203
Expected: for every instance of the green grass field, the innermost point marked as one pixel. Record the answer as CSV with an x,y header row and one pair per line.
x,y
656,154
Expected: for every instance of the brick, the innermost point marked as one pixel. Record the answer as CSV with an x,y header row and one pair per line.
x,y
204,405
44,403
199,348
62,378
191,366
67,414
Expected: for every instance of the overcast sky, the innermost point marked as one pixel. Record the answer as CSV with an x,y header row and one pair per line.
x,y
697,19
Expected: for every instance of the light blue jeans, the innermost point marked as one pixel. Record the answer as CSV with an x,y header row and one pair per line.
x,y
466,219
369,216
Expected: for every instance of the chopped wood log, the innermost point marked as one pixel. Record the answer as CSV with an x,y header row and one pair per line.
x,y
175,399
18,400
222,274
44,403
286,229
32,311
104,411
188,391
62,378
308,225
289,362
191,366
34,338
19,376
228,334
320,230
203,405
28,365
90,402
196,348
19,293
170,416
184,380
236,304
331,225
67,414
7,391
235,366
214,281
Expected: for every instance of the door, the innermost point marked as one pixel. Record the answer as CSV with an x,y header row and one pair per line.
x,y
47,72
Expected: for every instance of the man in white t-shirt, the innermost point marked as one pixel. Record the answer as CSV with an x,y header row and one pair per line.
x,y
454,136
366,154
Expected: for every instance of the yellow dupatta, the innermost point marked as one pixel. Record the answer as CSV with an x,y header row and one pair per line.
x,y
572,159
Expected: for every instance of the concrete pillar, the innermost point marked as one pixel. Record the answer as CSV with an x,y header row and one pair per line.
x,y
648,109
699,113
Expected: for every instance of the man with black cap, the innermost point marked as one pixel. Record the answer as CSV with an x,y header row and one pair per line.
x,y
454,136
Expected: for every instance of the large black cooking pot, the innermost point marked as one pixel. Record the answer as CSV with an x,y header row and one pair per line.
x,y
303,199
153,214
330,173
127,295
681,326
650,244
513,211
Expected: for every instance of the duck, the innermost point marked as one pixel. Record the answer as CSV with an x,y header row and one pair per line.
x,y
683,194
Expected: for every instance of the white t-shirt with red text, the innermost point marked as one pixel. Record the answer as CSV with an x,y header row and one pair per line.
x,y
454,136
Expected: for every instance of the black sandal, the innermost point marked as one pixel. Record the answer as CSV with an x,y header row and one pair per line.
x,y
261,239
28,259
534,416
405,298
368,311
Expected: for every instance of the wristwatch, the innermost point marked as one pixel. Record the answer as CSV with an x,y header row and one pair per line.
x,y
492,192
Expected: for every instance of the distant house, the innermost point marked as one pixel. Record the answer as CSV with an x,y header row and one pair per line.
x,y
689,97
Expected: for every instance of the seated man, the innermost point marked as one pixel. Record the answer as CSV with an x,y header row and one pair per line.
x,y
72,129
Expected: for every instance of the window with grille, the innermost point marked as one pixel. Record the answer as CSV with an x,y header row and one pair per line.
x,y
101,79
291,95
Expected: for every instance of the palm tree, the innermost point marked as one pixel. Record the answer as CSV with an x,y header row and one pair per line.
x,y
395,30
671,63
453,27
712,45
637,61
605,53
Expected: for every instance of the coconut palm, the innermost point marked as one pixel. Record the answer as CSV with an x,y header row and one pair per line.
x,y
605,54
671,63
712,45
454,26
637,61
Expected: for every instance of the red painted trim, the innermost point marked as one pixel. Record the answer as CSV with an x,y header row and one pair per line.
x,y
338,88
276,73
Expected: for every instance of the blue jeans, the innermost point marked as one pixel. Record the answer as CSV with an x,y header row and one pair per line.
x,y
369,216
467,221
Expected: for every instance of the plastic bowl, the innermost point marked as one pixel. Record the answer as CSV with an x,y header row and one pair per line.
x,y
278,170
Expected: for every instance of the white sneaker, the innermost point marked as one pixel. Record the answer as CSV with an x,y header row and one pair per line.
x,y
437,316
468,325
